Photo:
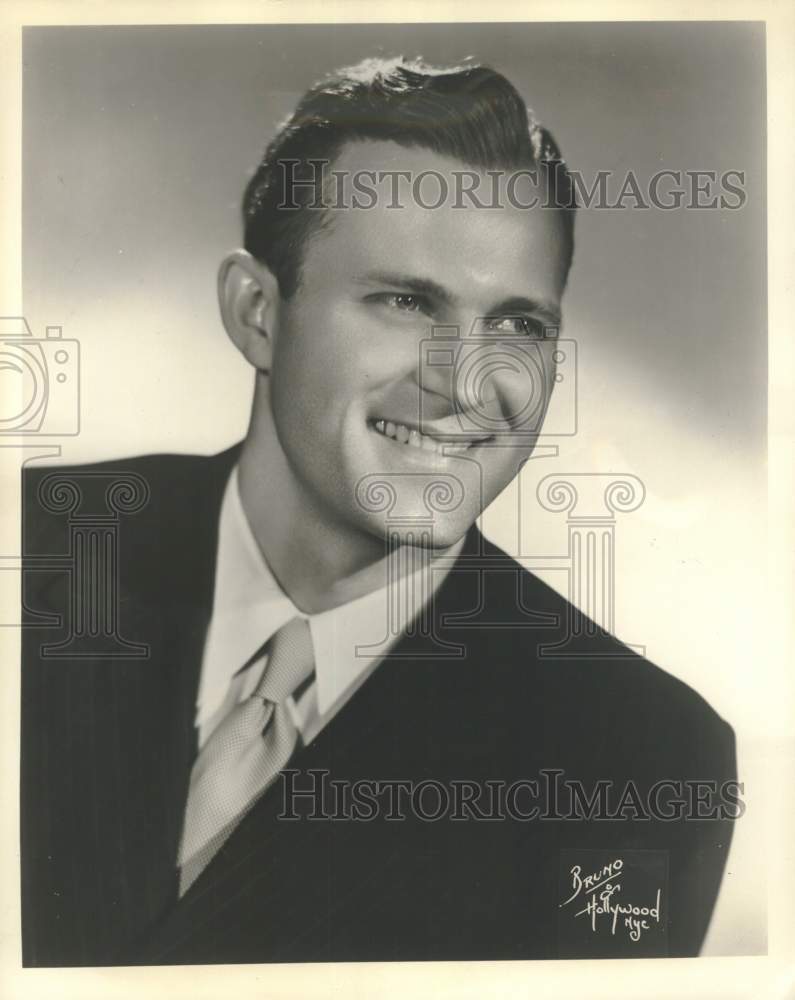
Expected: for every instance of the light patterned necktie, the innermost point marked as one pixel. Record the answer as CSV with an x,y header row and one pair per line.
x,y
244,754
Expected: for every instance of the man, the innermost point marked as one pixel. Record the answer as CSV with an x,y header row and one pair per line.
x,y
306,602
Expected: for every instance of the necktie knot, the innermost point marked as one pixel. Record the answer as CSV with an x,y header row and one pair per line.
x,y
290,662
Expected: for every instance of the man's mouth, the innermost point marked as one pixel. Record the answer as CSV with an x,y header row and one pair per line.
x,y
439,444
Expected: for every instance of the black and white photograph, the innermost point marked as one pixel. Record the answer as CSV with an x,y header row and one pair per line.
x,y
388,446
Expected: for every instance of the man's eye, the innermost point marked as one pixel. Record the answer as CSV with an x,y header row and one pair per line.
x,y
402,301
516,324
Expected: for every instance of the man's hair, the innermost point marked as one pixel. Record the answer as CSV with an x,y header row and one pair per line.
x,y
470,113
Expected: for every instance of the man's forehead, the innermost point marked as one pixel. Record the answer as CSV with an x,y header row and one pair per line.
x,y
378,224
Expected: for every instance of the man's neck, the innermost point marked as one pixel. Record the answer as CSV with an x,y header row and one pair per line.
x,y
319,561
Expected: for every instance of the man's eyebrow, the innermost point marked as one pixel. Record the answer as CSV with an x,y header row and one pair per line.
x,y
409,282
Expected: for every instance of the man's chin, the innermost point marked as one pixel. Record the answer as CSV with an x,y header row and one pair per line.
x,y
435,536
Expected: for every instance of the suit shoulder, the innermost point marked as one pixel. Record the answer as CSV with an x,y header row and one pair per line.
x,y
165,470
32,475
600,668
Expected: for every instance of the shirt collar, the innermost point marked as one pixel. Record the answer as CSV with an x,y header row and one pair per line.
x,y
249,606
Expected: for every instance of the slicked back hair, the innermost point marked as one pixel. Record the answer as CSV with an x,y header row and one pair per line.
x,y
471,114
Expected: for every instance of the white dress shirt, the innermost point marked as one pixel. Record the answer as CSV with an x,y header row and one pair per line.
x,y
249,606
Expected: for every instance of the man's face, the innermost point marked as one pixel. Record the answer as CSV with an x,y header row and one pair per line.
x,y
354,401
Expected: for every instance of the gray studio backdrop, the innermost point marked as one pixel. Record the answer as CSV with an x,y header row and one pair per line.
x,y
137,143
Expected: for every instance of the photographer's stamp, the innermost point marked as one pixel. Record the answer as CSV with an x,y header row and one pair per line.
x,y
613,904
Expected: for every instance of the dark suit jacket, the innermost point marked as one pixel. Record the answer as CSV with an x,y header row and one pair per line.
x,y
108,743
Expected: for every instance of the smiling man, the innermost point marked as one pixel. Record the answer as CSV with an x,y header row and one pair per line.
x,y
341,391
345,741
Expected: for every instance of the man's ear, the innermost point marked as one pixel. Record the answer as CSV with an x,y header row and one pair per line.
x,y
248,295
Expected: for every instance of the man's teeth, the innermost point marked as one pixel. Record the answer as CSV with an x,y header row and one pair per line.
x,y
415,439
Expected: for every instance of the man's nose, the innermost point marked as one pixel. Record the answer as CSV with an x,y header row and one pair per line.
x,y
439,371
485,374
